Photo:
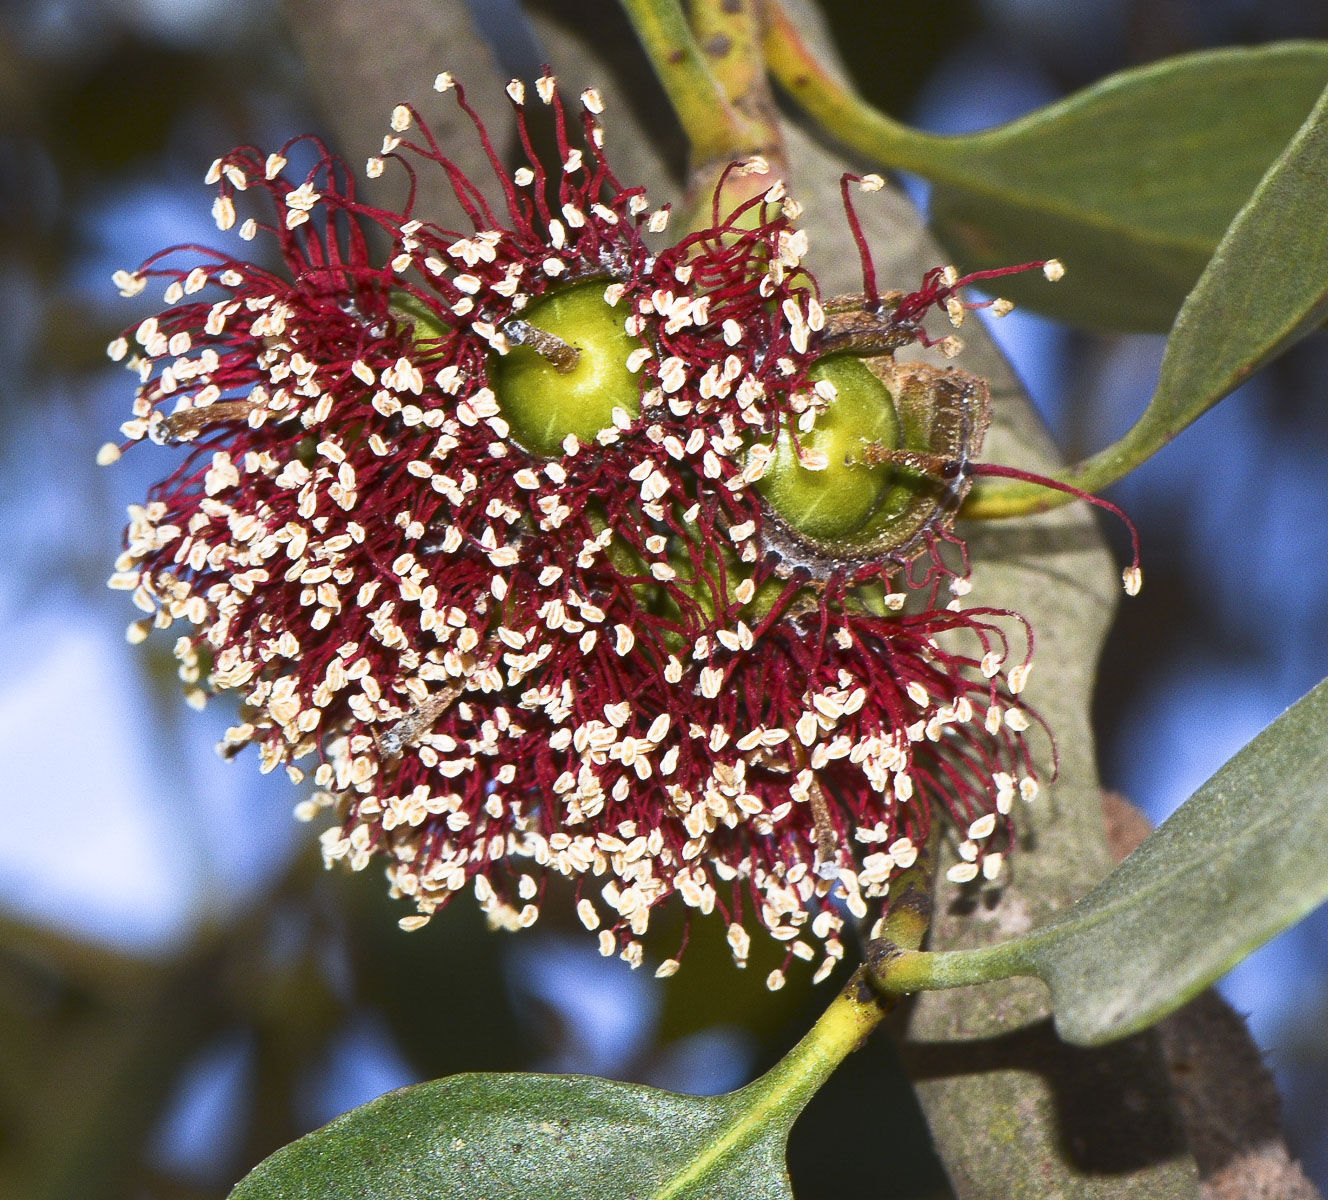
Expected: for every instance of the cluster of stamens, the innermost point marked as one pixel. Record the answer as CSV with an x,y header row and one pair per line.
x,y
506,654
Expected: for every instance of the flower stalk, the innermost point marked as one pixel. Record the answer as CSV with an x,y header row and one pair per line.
x,y
831,103
861,1005
713,68
698,84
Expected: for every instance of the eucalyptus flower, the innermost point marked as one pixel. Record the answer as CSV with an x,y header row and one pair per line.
x,y
549,547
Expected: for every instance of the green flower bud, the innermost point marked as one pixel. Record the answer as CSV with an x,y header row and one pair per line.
x,y
545,396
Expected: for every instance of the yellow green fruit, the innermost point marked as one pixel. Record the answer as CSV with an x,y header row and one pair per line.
x,y
543,404
836,500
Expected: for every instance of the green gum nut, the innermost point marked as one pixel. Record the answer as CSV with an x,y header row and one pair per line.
x,y
543,404
837,500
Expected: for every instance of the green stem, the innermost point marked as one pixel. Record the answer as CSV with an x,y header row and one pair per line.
x,y
783,1091
909,916
836,107
991,498
856,1011
897,972
895,964
713,126
840,1030
729,33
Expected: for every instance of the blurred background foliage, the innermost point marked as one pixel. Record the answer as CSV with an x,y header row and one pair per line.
x,y
182,989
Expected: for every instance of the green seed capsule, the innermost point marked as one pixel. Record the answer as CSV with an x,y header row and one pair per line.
x,y
542,402
895,442
834,500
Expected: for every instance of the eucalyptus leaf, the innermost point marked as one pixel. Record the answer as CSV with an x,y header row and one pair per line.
x,y
1131,183
1265,287
518,1136
1237,863
527,1136
557,1136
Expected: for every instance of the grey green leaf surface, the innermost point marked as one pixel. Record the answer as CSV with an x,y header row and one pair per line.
x,y
518,1136
1265,287
558,1136
1236,864
1130,182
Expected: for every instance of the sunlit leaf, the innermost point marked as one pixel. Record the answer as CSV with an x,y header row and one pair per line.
x,y
1130,182
1237,863
531,1136
1264,289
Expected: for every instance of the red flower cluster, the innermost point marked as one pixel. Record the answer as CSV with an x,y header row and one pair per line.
x,y
532,539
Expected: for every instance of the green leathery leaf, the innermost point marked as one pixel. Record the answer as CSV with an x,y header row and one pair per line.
x,y
1236,864
1131,182
1265,288
531,1136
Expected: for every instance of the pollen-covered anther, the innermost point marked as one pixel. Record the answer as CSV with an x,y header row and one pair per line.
x,y
982,828
303,198
223,212
962,872
1016,719
129,283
